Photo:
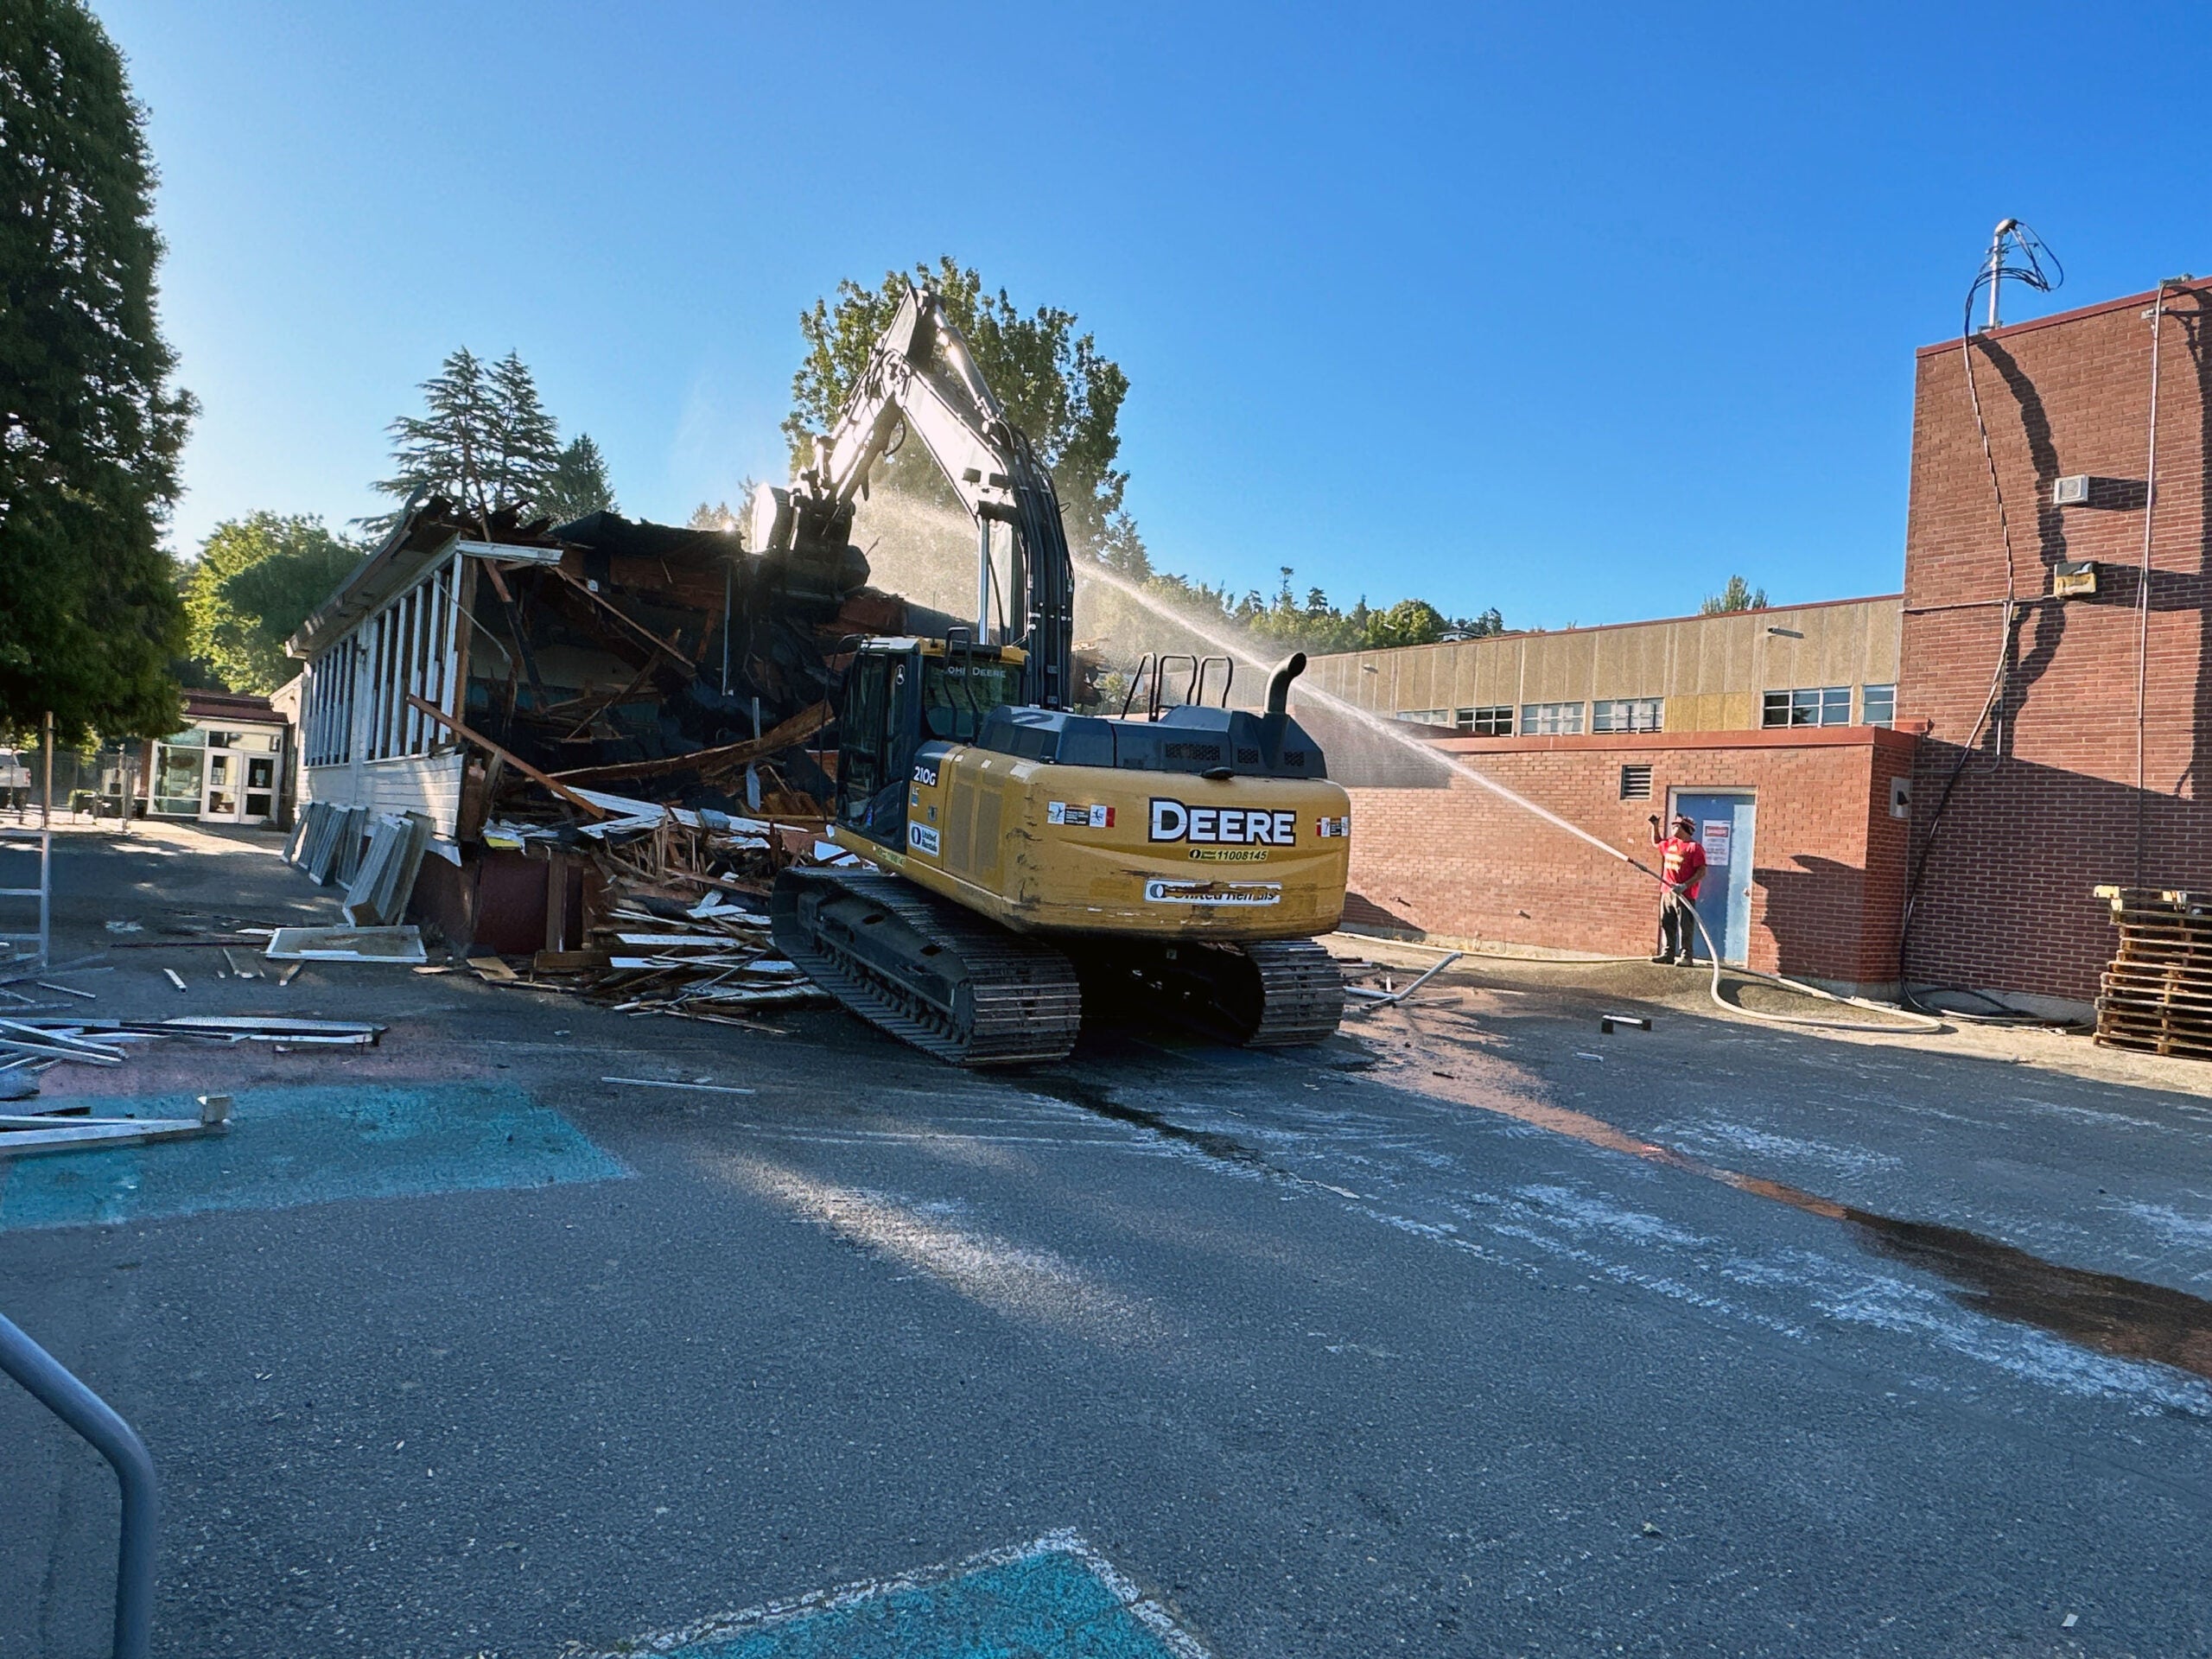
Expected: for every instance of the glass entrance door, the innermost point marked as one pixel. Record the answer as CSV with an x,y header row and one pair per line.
x,y
240,784
219,803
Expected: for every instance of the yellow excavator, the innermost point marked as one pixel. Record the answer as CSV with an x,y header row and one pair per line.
x,y
1027,856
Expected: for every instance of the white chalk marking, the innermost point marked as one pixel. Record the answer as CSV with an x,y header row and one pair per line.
x,y
657,1083
724,1627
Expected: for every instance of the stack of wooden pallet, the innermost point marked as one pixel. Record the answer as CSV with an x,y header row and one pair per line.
x,y
2157,992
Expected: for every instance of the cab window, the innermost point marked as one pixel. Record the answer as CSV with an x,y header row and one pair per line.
x,y
956,695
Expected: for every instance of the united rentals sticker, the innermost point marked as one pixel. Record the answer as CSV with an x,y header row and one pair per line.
x,y
1227,826
1229,855
921,838
1331,829
1079,817
1166,891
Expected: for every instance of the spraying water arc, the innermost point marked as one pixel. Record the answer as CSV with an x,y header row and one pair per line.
x,y
1390,731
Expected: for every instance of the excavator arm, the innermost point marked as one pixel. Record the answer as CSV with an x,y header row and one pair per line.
x,y
922,375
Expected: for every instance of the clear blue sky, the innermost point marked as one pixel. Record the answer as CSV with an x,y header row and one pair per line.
x,y
1570,310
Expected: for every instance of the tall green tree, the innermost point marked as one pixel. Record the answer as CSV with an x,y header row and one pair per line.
x,y
257,578
1737,595
1057,386
484,441
90,425
578,484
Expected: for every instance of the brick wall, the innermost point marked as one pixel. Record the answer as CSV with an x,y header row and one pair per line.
x,y
2045,804
1827,858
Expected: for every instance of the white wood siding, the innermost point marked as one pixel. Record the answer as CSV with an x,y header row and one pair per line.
x,y
427,784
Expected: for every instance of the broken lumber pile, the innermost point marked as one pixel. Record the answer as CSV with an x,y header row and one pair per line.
x,y
2156,995
675,908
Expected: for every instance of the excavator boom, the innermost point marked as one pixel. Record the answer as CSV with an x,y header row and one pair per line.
x,y
921,374
1034,860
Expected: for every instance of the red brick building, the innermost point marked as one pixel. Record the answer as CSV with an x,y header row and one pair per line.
x,y
2066,695
1458,862
2052,703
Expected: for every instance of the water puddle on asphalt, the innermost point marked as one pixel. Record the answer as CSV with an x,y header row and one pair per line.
x,y
2126,1319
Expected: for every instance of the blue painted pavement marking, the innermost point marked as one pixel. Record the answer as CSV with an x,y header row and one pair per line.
x,y
288,1147
1054,1598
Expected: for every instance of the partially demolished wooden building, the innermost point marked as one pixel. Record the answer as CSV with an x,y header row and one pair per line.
x,y
465,659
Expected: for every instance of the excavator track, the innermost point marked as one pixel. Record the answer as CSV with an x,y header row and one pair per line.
x,y
925,970
1301,994
1271,995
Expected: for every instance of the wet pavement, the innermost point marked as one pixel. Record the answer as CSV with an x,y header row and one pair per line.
x,y
1480,1331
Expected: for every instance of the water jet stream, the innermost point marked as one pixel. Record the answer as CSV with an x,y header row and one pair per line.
x,y
1393,732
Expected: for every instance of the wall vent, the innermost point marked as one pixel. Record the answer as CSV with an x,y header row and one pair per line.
x,y
1636,783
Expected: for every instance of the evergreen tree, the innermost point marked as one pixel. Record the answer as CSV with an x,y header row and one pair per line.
x,y
90,426
528,444
256,579
579,484
485,441
449,450
1737,595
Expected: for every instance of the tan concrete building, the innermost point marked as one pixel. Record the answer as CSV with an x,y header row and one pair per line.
x,y
1833,663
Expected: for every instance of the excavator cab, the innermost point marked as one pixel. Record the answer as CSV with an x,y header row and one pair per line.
x,y
899,694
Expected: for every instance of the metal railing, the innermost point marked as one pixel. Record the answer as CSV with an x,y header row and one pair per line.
x,y
13,840
53,1386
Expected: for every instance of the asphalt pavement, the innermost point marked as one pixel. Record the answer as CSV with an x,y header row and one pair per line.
x,y
1473,1331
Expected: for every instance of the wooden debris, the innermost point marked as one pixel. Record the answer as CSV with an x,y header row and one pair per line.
x,y
2156,995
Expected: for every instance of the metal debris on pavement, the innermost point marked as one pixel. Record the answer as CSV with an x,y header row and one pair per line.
x,y
378,893
400,944
1366,997
22,1135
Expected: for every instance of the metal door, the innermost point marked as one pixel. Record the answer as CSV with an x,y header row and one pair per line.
x,y
1726,820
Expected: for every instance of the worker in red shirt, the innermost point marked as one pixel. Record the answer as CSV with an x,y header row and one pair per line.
x,y
1682,871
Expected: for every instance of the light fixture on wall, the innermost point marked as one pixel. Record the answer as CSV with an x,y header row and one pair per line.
x,y
1784,633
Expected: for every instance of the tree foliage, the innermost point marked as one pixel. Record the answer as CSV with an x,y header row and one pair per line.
x,y
579,484
1314,625
1737,595
257,580
89,425
1062,393
485,441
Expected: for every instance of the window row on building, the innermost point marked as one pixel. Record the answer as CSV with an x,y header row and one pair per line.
x,y
406,648
1829,705
1825,705
327,705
